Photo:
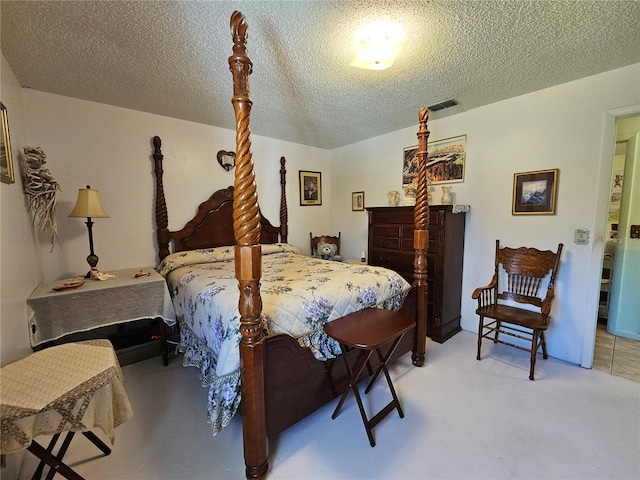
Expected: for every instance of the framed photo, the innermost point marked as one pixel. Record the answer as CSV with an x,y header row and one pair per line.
x,y
357,201
6,161
445,161
310,188
534,193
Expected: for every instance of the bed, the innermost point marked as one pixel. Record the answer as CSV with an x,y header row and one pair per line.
x,y
255,351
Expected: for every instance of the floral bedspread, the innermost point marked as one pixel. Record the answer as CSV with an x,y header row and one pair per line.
x,y
299,295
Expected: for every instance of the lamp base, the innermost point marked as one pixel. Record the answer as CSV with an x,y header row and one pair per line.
x,y
92,260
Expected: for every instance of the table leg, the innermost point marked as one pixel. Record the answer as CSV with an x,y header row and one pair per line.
x,y
56,465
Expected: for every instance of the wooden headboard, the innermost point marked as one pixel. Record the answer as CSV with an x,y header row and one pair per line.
x,y
212,226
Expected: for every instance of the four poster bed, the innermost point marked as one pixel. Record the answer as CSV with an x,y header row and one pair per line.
x,y
251,307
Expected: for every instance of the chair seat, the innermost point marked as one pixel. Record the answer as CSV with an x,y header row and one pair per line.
x,y
518,316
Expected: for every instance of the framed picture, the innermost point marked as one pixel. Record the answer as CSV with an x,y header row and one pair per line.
x,y
409,165
357,201
445,161
616,188
310,188
534,193
6,161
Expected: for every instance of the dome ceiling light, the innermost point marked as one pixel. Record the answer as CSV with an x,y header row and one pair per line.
x,y
378,45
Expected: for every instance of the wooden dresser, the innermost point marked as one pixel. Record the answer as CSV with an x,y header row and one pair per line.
x,y
391,245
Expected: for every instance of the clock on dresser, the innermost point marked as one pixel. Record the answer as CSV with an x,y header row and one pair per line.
x,y
391,246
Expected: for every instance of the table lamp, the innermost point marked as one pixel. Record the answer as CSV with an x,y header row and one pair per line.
x,y
88,205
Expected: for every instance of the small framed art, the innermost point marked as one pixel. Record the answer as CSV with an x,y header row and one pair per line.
x,y
534,193
310,188
357,201
6,161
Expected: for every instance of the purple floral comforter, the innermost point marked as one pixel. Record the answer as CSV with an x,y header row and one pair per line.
x,y
299,295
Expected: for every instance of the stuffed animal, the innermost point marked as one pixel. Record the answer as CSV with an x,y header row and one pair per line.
x,y
328,251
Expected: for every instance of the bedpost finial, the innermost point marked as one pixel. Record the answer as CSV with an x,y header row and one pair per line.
x,y
157,143
423,114
239,32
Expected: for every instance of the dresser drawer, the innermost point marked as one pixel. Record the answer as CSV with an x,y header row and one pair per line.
x,y
401,262
386,231
386,242
396,261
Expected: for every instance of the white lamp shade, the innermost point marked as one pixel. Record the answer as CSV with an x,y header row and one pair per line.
x,y
88,205
378,45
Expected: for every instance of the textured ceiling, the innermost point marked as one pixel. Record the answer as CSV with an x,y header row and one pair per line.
x,y
170,57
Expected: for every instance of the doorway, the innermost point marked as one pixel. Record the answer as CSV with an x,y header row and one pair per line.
x,y
617,342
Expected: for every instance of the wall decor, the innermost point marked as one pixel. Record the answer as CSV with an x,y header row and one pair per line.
x,y
446,159
6,159
310,188
409,165
227,160
534,193
42,191
357,201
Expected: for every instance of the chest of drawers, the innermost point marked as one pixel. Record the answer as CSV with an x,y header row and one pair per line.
x,y
391,246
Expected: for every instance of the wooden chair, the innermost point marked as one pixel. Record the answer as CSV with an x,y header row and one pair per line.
x,y
525,268
314,241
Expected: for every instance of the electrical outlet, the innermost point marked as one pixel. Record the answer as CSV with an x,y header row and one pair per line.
x,y
581,236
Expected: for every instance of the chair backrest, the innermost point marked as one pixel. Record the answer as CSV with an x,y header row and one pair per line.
x,y
526,268
323,239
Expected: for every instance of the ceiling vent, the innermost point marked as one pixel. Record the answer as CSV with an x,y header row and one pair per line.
x,y
443,105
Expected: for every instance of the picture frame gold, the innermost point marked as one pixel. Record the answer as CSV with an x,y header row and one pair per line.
x,y
535,192
6,159
310,188
357,201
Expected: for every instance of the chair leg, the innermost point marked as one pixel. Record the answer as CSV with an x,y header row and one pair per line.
x,y
534,352
480,331
544,345
497,331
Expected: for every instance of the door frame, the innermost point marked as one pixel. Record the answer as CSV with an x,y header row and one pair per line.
x,y
605,165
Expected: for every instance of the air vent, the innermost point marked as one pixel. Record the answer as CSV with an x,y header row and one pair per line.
x,y
443,105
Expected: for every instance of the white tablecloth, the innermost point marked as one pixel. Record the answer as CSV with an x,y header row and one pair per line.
x,y
71,387
98,303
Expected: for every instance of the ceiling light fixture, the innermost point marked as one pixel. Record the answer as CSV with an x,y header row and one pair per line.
x,y
378,45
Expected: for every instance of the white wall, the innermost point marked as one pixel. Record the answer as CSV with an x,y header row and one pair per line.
x,y
20,266
110,149
559,127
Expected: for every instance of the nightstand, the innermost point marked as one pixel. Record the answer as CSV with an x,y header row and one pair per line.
x,y
54,314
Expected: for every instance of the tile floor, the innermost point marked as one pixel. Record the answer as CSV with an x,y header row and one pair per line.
x,y
616,355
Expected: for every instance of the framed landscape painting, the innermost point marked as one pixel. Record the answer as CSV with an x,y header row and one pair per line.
x,y
445,161
534,193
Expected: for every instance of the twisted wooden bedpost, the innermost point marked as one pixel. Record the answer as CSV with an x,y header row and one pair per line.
x,y
246,227
421,238
284,215
162,218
